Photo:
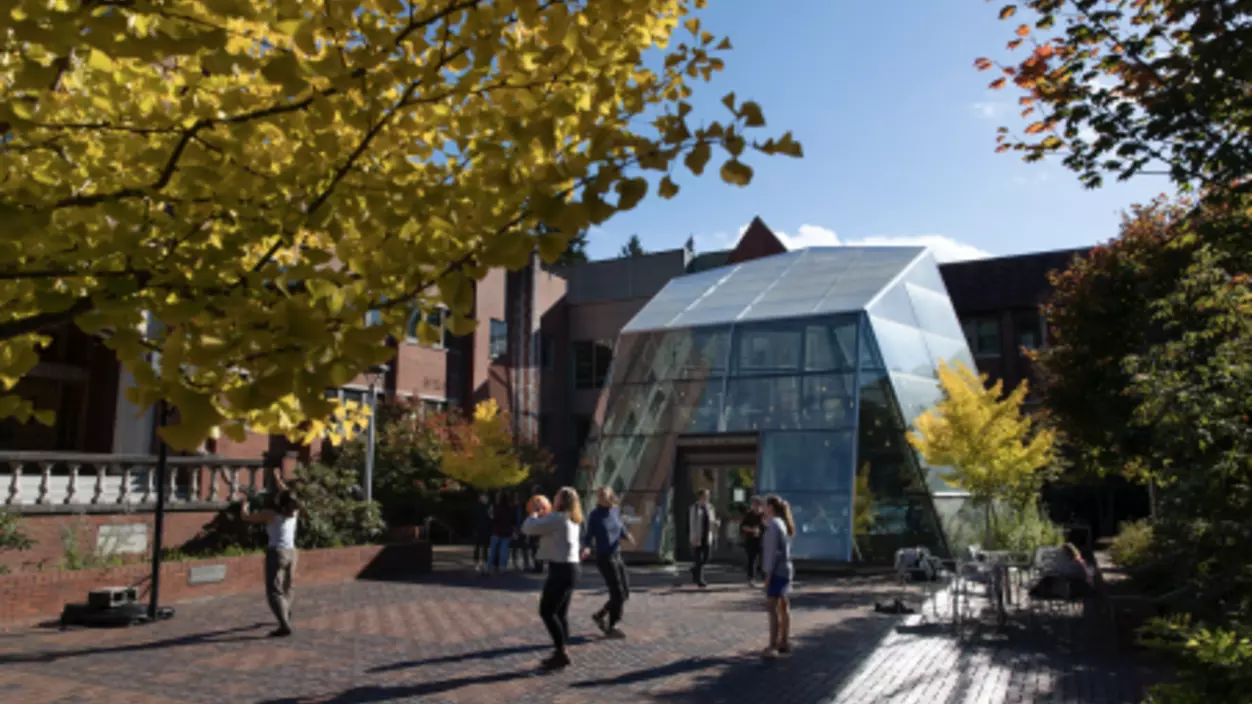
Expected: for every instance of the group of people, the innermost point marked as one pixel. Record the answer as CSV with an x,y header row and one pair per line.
x,y
558,525
552,533
498,538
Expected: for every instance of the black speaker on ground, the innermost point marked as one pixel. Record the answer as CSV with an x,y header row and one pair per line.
x,y
111,607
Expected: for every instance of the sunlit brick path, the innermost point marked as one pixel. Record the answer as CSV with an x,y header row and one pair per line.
x,y
456,637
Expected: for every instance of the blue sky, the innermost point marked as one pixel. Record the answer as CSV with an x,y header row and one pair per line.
x,y
898,132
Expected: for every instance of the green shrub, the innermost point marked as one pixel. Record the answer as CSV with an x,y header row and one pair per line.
x,y
1213,666
1134,544
1024,529
12,537
330,516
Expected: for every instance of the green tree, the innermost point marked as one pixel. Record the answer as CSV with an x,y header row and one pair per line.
x,y
482,454
575,252
1126,88
988,446
240,185
408,450
1194,395
632,248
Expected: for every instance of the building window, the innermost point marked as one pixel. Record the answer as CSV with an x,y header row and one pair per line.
x,y
591,364
983,336
582,429
437,319
499,338
547,350
1028,330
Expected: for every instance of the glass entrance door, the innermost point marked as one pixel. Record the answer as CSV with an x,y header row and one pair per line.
x,y
729,491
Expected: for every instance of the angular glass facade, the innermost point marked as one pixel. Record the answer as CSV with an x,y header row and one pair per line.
x,y
821,358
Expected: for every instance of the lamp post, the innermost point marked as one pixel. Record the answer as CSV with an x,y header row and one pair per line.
x,y
372,375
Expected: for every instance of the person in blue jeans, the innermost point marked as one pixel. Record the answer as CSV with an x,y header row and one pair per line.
x,y
503,525
780,527
605,533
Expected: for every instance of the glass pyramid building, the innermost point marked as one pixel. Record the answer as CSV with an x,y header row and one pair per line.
x,y
818,360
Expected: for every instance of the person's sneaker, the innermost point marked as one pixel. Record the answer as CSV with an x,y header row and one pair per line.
x,y
769,654
752,583
703,585
556,662
784,649
615,633
602,622
280,633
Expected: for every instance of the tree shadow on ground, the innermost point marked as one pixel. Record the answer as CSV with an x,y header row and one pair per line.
x,y
192,639
367,694
819,662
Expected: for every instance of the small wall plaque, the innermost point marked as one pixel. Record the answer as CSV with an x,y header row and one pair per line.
x,y
122,539
207,574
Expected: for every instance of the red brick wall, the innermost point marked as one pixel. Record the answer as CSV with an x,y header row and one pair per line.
x,y
47,533
32,597
489,379
421,371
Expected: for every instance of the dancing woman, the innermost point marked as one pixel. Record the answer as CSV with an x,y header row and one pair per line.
x,y
557,530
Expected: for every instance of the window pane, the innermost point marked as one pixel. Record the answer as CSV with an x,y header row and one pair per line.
x,y
602,358
1028,330
903,348
757,403
767,348
806,461
584,365
695,406
830,345
499,338
983,335
823,524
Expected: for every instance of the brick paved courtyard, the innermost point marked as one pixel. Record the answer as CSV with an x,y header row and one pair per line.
x,y
455,637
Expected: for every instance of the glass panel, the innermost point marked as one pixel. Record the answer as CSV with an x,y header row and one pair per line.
x,y
621,458
983,335
763,402
903,348
626,410
823,523
682,354
1027,330
644,516
806,461
767,348
946,349
636,354
695,407
830,344
870,357
934,312
894,305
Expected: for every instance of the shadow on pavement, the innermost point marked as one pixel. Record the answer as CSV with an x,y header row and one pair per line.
x,y
406,692
480,655
819,663
194,639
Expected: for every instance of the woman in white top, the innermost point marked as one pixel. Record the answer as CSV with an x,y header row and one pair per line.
x,y
557,530
780,527
280,555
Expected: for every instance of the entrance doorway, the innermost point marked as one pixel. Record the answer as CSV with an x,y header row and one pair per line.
x,y
726,467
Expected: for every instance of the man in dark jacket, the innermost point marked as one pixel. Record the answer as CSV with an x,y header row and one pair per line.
x,y
482,533
751,526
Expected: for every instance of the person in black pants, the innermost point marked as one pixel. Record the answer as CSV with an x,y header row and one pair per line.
x,y
751,526
701,525
559,547
482,533
605,531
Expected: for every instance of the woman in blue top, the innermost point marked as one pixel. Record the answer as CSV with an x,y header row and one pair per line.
x,y
780,527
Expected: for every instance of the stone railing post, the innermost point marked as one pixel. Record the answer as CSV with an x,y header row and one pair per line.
x,y
171,484
213,479
193,486
234,481
71,489
102,471
45,477
15,485
149,484
123,496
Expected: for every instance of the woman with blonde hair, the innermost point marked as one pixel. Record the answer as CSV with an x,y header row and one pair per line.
x,y
557,528
780,527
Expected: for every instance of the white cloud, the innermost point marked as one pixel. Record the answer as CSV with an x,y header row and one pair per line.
x,y
989,110
944,249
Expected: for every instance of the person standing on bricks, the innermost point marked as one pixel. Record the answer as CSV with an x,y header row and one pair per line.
x,y
701,524
605,533
280,555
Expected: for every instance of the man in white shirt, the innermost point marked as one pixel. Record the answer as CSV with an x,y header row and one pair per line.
x,y
280,555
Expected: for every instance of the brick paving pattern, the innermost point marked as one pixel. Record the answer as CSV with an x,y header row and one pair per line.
x,y
456,637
